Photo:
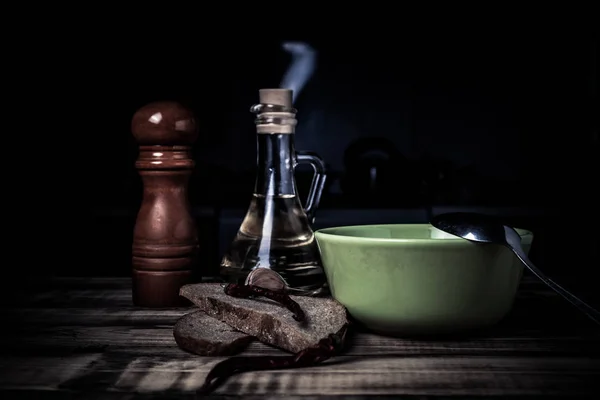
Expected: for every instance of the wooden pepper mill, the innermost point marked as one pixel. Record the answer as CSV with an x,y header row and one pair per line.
x,y
165,239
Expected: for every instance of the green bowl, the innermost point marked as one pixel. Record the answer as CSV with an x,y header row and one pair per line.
x,y
413,279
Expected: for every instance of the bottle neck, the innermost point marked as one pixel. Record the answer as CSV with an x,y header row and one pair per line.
x,y
276,159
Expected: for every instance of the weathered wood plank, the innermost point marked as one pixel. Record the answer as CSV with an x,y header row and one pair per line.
x,y
59,291
346,375
158,340
83,298
93,283
89,298
521,316
65,283
116,292
529,312
100,316
92,300
175,395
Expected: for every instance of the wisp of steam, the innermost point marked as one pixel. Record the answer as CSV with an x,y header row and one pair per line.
x,y
302,67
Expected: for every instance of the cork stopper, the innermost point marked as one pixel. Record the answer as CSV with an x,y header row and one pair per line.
x,y
280,97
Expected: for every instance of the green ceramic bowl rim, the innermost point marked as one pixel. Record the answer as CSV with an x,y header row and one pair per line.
x,y
327,233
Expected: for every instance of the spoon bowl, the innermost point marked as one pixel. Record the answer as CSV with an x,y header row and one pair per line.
x,y
474,227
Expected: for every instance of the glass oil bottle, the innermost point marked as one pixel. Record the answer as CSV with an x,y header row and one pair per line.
x,y
276,231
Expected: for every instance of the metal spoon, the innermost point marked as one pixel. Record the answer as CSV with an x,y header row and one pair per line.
x,y
269,279
486,229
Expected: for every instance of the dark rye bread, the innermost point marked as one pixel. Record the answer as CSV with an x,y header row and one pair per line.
x,y
198,333
268,321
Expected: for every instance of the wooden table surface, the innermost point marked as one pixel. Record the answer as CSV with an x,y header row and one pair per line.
x,y
82,338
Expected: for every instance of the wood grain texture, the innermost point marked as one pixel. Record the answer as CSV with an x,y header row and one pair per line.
x,y
83,337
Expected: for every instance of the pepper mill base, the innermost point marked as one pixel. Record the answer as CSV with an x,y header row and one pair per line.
x,y
157,289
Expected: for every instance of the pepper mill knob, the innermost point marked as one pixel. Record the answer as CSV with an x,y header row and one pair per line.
x,y
165,239
164,123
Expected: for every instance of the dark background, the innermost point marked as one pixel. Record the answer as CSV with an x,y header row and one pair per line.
x,y
499,118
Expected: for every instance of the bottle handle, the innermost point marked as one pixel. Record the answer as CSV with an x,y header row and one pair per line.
x,y
318,181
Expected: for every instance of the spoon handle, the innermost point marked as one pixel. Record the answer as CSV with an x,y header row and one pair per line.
x,y
514,242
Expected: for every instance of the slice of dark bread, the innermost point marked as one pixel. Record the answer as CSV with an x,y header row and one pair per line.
x,y
268,321
200,334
